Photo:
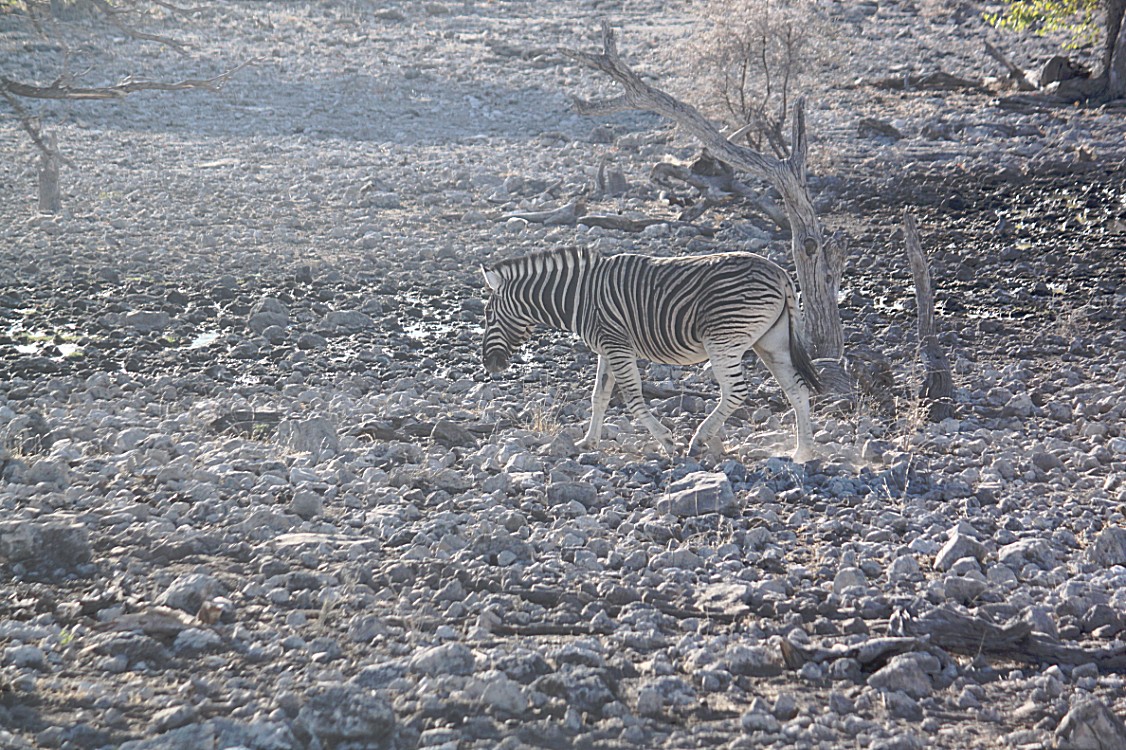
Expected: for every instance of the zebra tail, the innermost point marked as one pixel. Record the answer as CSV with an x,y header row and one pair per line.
x,y
798,354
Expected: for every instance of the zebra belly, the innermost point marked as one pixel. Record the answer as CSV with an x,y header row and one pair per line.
x,y
685,357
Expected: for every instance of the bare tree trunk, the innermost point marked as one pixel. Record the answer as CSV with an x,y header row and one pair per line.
x,y
50,201
1114,58
818,264
938,385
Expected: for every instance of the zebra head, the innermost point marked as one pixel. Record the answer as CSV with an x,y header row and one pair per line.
x,y
507,324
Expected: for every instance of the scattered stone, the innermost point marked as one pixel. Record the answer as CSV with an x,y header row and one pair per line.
x,y
1035,551
146,322
189,591
900,705
268,313
313,435
173,718
1020,405
309,340
47,544
870,127
908,741
752,661
452,435
306,503
1109,547
132,648
958,546
849,578
841,704
759,721
584,688
904,673
347,321
379,676
447,658
501,694
904,568
785,707
190,737
1090,725
559,493
46,471
25,656
194,641
699,493
333,716
1046,461
963,589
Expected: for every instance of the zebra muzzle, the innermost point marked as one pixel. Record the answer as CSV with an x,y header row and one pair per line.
x,y
496,361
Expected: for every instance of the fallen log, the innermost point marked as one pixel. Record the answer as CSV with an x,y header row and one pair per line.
x,y
974,635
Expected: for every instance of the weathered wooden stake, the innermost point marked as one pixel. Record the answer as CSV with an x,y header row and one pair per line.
x,y
938,386
50,202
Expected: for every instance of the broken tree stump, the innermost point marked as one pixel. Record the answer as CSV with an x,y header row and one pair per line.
x,y
938,385
50,202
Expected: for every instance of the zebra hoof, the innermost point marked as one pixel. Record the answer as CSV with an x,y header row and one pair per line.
x,y
586,444
711,447
803,456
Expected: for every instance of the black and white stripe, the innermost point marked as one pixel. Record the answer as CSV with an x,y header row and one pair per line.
x,y
669,310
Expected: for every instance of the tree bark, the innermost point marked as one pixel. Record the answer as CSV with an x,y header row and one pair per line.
x,y
938,385
818,264
1114,56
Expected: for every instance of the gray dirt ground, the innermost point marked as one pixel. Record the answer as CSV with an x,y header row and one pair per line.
x,y
256,489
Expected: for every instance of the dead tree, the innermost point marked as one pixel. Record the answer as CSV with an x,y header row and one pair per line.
x,y
65,87
938,386
818,261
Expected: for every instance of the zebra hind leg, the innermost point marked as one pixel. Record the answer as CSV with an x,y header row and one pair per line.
x,y
599,401
774,350
727,366
624,369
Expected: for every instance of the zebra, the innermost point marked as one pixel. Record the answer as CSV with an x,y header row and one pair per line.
x,y
678,311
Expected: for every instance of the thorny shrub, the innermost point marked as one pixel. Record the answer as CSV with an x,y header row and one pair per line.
x,y
748,60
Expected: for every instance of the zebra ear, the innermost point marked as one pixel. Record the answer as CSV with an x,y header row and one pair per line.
x,y
492,278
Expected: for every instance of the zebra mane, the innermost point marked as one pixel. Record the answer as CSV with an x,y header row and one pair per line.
x,y
540,260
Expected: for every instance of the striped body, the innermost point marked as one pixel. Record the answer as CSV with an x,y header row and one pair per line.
x,y
668,310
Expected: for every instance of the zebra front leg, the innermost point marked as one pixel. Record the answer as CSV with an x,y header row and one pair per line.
x,y
727,366
599,400
624,369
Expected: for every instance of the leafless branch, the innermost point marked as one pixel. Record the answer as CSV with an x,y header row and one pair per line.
x,y
113,15
639,95
734,137
60,90
1016,74
178,8
31,127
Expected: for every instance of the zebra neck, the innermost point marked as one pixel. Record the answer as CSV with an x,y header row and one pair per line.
x,y
556,291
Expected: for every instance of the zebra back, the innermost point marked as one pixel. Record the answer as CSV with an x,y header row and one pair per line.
x,y
668,307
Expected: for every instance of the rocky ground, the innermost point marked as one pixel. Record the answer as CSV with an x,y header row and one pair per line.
x,y
257,491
